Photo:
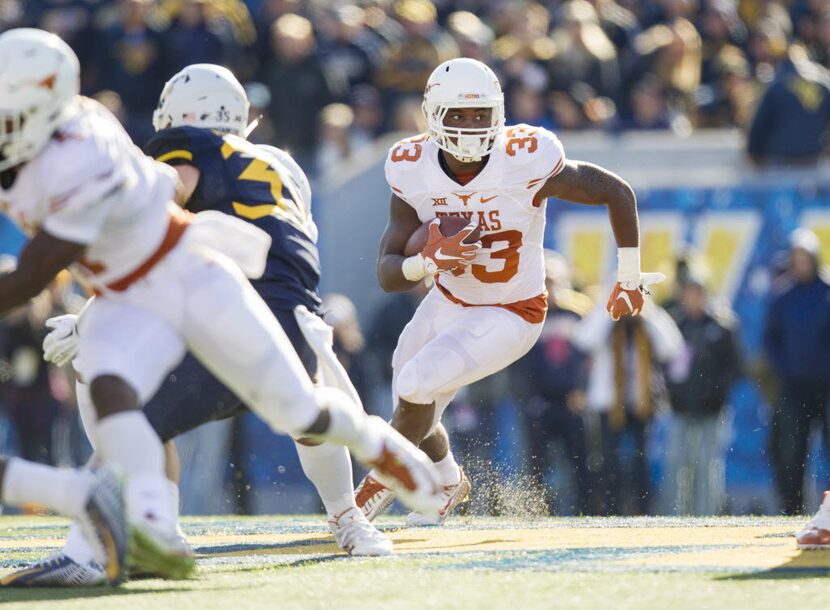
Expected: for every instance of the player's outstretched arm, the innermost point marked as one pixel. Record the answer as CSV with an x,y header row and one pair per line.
x,y
590,184
41,260
403,221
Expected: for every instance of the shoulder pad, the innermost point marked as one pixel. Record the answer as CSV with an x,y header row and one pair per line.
x,y
403,158
535,149
178,145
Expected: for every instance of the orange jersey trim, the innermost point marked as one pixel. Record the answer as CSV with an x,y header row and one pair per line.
x,y
179,221
531,310
537,201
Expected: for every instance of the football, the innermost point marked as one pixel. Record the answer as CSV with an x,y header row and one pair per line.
x,y
450,225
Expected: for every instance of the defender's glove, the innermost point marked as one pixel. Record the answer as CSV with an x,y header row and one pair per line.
x,y
61,345
441,253
628,295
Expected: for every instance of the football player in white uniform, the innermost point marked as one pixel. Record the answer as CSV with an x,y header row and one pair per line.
x,y
199,107
94,499
167,282
488,303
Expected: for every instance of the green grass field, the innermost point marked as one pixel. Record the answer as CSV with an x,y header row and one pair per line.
x,y
472,563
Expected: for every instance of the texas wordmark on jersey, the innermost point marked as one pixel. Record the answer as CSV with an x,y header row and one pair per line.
x,y
502,198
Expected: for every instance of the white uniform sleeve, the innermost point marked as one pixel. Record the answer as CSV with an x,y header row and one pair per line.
x,y
399,172
82,191
549,159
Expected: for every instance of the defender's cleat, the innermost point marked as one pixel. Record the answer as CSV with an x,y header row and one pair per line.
x,y
452,496
816,534
155,552
57,570
405,469
104,524
355,535
372,497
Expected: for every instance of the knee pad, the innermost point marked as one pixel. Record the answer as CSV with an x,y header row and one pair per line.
x,y
410,384
429,374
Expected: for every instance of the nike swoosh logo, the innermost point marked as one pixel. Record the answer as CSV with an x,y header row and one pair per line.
x,y
486,199
441,257
627,300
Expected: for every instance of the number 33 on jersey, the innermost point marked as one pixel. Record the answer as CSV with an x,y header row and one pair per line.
x,y
502,198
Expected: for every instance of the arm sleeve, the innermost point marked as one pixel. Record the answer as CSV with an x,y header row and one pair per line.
x,y
547,161
396,174
83,193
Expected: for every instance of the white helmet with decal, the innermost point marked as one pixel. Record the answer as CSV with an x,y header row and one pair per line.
x,y
39,86
203,95
463,83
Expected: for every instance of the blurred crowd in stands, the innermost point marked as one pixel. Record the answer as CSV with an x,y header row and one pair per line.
x,y
329,76
569,429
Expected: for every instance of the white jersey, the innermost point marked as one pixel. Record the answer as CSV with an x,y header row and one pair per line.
x,y
502,198
91,185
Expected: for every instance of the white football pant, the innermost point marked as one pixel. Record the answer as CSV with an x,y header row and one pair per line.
x,y
198,300
447,346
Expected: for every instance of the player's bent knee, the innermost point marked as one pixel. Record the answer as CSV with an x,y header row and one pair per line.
x,y
409,385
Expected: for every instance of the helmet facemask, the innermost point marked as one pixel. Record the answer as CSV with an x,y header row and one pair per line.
x,y
467,144
38,92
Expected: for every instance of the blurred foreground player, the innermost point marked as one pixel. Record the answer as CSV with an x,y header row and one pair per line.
x,y
201,122
488,304
94,500
167,282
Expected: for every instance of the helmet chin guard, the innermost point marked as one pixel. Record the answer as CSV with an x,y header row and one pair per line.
x,y
463,83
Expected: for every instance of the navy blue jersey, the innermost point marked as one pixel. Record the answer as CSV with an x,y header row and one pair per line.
x,y
238,178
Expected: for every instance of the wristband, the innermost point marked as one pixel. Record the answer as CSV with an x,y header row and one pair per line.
x,y
628,267
415,268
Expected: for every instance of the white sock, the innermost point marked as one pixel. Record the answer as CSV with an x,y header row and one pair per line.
x,y
448,470
127,440
59,489
173,497
89,417
329,467
76,547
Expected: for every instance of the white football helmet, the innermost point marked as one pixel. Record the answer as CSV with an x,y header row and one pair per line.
x,y
39,87
463,83
203,95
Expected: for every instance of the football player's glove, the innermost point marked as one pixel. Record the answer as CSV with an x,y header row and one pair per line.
x,y
446,253
60,346
441,253
628,298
